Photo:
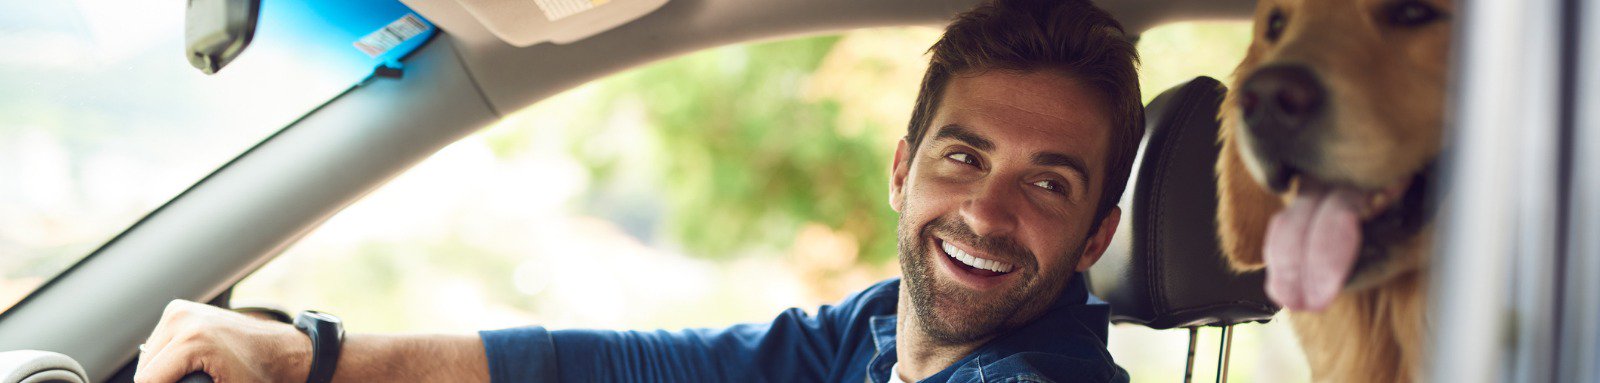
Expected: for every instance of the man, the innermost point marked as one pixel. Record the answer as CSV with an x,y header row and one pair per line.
x,y
1007,182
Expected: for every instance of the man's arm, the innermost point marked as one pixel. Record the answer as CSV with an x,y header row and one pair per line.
x,y
412,358
793,347
233,347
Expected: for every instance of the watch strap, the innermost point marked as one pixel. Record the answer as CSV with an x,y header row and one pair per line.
x,y
327,338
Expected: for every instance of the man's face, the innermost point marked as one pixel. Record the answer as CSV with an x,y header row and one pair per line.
x,y
996,207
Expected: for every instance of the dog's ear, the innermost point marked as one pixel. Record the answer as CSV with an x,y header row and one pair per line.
x,y
1243,206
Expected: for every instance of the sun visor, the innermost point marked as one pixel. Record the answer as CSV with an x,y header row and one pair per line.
x,y
526,22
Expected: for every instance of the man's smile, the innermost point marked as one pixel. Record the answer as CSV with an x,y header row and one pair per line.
x,y
976,271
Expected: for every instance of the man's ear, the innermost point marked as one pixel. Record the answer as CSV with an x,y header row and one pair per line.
x,y
1100,239
897,175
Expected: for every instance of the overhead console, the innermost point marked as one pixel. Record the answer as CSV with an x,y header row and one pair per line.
x,y
527,22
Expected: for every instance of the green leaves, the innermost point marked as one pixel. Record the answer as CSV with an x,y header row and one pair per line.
x,y
744,155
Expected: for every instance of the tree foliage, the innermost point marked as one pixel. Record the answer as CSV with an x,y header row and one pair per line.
x,y
745,158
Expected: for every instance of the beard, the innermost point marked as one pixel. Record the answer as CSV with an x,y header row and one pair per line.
x,y
950,313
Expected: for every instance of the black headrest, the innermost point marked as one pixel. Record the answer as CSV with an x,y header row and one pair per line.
x,y
1166,270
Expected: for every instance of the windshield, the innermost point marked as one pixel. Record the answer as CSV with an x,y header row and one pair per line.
x,y
102,119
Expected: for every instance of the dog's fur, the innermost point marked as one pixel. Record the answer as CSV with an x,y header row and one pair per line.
x,y
1385,94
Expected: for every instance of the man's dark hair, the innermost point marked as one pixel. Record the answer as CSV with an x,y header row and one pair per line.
x,y
1070,37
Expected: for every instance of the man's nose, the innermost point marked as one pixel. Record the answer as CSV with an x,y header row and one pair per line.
x,y
990,211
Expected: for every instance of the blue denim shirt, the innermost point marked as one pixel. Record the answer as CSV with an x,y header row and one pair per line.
x,y
852,342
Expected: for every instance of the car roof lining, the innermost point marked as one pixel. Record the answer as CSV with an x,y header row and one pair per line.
x,y
512,78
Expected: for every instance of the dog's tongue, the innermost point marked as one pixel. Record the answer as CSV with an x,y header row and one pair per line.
x,y
1311,247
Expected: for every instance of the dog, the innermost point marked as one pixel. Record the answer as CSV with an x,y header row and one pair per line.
x,y
1330,132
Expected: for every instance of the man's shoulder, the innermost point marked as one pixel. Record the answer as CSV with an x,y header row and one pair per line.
x,y
875,299
886,289
1066,344
1054,367
856,311
1043,367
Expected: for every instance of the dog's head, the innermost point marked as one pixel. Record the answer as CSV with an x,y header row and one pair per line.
x,y
1330,132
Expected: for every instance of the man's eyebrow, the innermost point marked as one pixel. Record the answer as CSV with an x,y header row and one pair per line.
x,y
1063,160
962,134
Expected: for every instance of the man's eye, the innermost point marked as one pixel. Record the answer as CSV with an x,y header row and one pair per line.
x,y
963,158
1052,186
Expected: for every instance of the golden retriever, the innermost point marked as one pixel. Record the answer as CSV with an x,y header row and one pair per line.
x,y
1330,131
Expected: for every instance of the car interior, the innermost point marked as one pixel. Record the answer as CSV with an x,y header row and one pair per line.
x,y
1164,271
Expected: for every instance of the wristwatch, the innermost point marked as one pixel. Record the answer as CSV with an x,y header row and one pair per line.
x,y
327,336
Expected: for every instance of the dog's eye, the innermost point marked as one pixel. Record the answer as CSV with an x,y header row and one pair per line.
x,y
1275,24
1412,14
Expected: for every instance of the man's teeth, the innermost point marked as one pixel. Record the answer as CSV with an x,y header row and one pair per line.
x,y
969,260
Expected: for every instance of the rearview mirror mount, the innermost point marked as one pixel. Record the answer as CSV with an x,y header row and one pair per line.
x,y
216,31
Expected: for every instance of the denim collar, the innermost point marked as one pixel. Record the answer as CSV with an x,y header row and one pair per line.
x,y
883,340
1074,295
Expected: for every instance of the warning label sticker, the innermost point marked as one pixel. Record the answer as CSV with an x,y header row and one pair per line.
x,y
377,43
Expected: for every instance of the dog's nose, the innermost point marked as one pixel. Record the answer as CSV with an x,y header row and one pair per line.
x,y
1278,101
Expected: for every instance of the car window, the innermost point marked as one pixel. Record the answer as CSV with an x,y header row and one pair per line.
x,y
710,189
615,204
103,119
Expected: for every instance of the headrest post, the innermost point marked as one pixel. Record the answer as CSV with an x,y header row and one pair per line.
x,y
1225,353
1188,368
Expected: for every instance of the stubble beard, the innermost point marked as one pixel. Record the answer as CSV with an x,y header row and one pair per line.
x,y
951,314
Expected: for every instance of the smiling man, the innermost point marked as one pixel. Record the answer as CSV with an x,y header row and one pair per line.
x,y
1006,183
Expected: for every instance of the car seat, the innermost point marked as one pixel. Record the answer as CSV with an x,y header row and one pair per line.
x,y
1165,269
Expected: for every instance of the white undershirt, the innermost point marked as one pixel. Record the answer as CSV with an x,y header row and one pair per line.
x,y
894,374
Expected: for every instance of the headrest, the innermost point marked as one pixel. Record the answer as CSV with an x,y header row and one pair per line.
x,y
1166,270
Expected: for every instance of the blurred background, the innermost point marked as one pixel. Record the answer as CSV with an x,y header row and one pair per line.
x,y
710,189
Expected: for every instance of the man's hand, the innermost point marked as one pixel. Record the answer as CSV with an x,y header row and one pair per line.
x,y
229,346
